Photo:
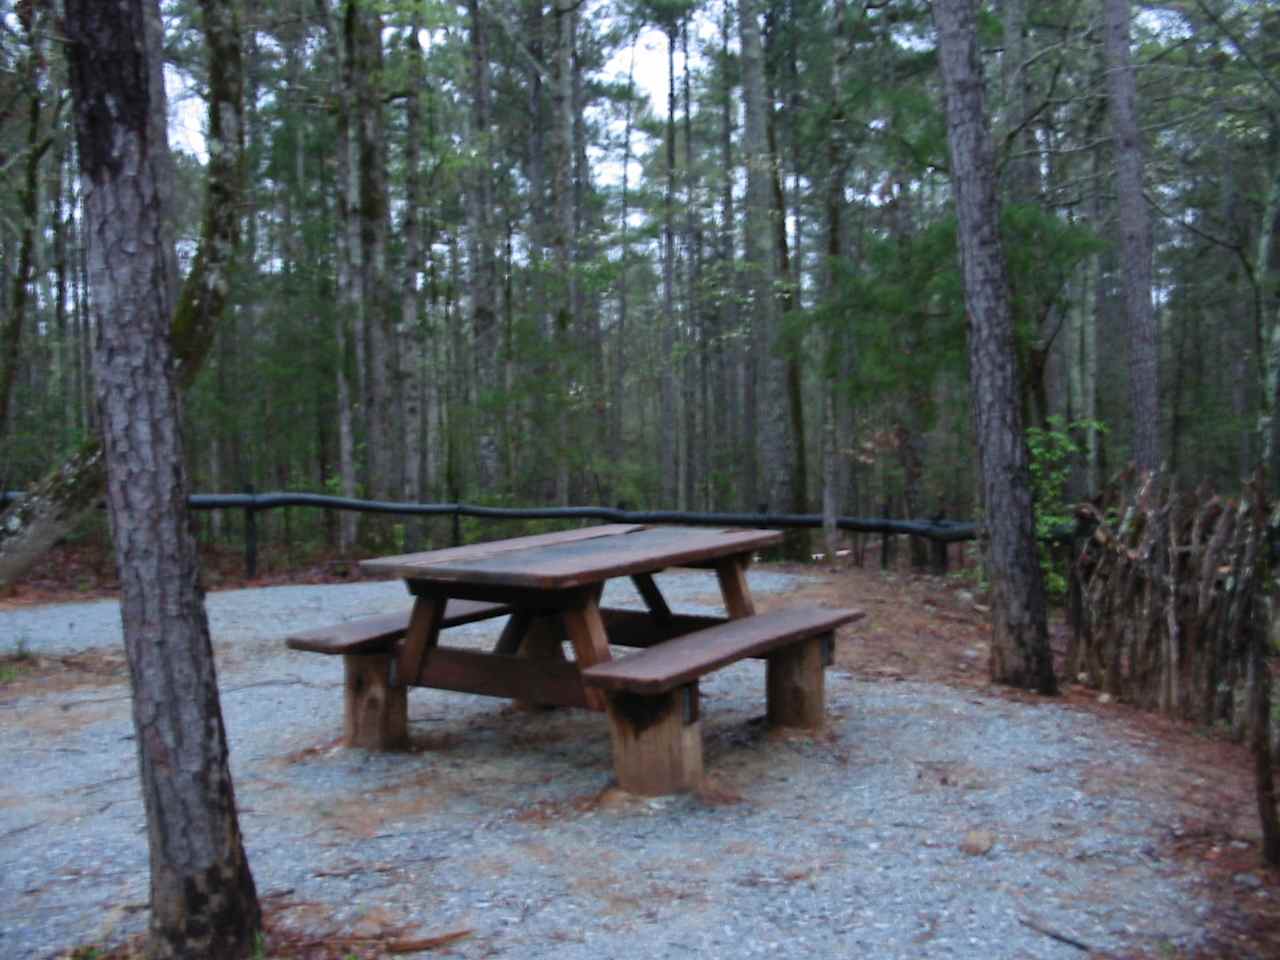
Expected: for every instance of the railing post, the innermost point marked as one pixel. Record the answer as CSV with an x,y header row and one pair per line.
x,y
250,537
939,548
457,526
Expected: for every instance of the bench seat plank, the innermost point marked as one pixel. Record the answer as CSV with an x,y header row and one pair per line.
x,y
378,633
666,666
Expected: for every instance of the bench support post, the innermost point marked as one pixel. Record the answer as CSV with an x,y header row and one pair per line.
x,y
543,640
375,713
657,741
794,684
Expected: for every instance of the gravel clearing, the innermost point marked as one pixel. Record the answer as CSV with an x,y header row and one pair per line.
x,y
927,821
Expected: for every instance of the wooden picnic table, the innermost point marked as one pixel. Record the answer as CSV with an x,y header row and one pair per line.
x,y
551,585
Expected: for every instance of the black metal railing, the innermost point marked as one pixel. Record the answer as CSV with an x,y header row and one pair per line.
x,y
940,532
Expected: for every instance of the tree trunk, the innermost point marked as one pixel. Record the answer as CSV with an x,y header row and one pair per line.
x,y
767,471
668,469
1020,654
836,166
383,428
727,399
346,277
617,421
411,335
562,238
203,900
1135,242
695,354
483,255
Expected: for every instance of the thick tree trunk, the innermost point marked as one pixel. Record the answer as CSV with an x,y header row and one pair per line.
x,y
1135,242
203,900
1020,654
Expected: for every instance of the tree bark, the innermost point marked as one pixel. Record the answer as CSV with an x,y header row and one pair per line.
x,y
483,254
766,408
668,468
346,276
411,334
383,429
203,900
562,235
1020,654
1135,242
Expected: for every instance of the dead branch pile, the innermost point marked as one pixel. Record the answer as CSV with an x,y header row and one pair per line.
x,y
1172,611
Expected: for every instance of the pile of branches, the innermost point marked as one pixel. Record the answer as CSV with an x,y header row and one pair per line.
x,y
1171,611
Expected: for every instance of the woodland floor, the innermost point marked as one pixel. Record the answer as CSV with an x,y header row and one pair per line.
x,y
924,628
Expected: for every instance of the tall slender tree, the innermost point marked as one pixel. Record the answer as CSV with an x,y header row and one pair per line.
x,y
483,243
1135,241
1020,654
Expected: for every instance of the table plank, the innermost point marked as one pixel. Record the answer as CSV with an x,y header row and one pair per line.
x,y
547,682
563,565
412,561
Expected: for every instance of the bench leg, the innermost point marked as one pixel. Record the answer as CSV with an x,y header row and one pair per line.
x,y
375,713
794,685
543,640
657,741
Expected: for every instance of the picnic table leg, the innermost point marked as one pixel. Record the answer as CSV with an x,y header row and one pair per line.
x,y
653,598
584,627
794,684
543,639
657,741
422,635
732,574
375,712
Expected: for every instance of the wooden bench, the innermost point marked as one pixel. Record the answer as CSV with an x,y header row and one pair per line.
x,y
375,712
653,695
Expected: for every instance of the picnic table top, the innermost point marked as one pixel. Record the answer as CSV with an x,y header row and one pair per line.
x,y
574,558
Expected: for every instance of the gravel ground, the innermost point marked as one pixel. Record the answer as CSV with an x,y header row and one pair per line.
x,y
927,821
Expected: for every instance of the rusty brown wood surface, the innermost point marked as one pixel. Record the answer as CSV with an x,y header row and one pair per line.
x,y
413,561
596,554
684,659
544,681
372,634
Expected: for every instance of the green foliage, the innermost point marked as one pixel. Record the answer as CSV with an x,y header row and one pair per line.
x,y
904,307
1052,451
1043,252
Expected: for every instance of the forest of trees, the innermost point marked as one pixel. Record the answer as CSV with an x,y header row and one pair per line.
x,y
476,260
